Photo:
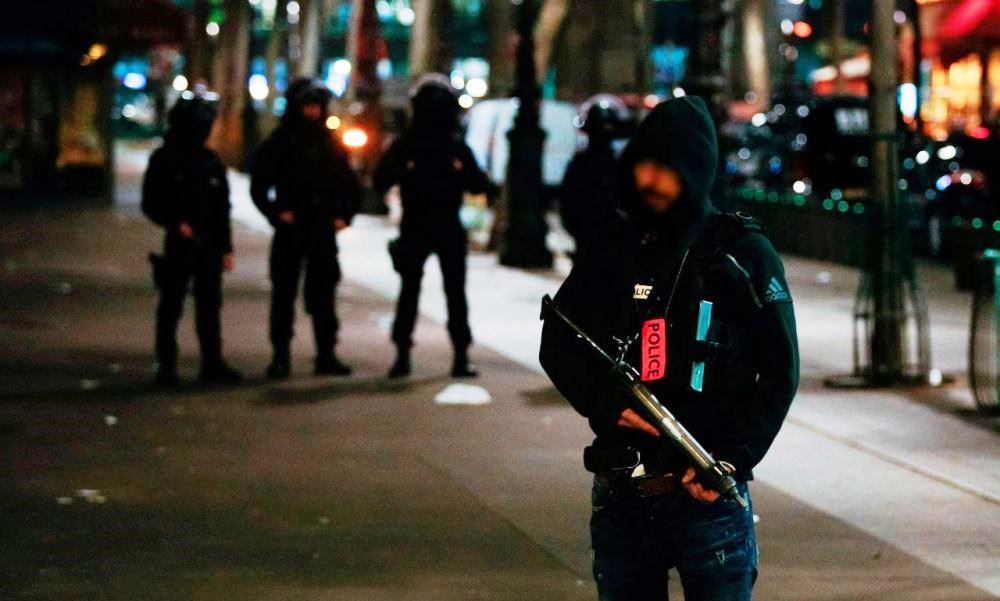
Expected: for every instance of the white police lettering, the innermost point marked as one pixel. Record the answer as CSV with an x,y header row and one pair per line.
x,y
642,291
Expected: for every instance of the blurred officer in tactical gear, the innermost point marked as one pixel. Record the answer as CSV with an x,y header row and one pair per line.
x,y
434,168
696,301
185,192
586,197
302,182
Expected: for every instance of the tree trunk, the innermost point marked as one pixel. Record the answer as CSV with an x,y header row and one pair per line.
x,y
578,58
362,49
430,50
550,21
755,54
276,40
644,22
230,76
502,41
311,18
196,66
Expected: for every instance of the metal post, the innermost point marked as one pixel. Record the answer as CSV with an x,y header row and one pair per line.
x,y
886,351
889,312
523,243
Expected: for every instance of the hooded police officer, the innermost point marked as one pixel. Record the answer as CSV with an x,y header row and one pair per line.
x,y
185,192
728,371
433,168
586,197
302,182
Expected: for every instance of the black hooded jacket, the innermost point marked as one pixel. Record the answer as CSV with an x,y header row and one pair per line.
x,y
185,182
586,197
652,266
432,165
308,171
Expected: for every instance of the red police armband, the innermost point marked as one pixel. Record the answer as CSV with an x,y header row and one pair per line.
x,y
654,349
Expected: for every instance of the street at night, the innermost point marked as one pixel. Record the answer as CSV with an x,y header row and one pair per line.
x,y
366,488
500,300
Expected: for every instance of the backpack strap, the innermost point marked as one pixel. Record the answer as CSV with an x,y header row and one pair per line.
x,y
722,232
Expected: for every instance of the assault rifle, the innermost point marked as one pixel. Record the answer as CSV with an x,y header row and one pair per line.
x,y
716,474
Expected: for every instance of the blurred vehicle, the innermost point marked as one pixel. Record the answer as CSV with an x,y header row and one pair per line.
x,y
964,215
819,147
488,122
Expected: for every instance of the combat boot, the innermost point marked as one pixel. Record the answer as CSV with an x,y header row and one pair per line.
x,y
219,372
461,367
401,367
331,366
166,377
281,365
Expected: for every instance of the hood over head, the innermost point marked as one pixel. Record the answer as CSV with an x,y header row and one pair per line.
x,y
678,133
301,92
190,120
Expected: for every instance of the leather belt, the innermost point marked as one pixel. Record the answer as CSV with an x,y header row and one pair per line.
x,y
650,485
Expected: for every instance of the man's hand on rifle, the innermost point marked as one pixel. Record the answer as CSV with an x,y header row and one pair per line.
x,y
695,488
633,421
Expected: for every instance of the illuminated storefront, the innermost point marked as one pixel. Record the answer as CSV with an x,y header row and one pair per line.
x,y
56,90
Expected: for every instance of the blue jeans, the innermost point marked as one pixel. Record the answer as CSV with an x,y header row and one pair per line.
x,y
636,541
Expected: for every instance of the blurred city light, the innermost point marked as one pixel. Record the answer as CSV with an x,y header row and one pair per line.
x,y
406,17
801,29
465,101
212,29
908,100
342,67
258,87
355,138
946,153
383,69
97,52
476,87
134,81
180,83
333,122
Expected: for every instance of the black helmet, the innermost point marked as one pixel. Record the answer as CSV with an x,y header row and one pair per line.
x,y
191,117
305,91
602,114
435,104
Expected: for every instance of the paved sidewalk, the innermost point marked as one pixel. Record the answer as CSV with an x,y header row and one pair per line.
x,y
365,489
896,464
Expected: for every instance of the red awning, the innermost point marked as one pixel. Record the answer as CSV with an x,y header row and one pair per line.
x,y
972,19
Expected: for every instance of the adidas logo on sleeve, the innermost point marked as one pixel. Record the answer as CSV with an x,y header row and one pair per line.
x,y
776,293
